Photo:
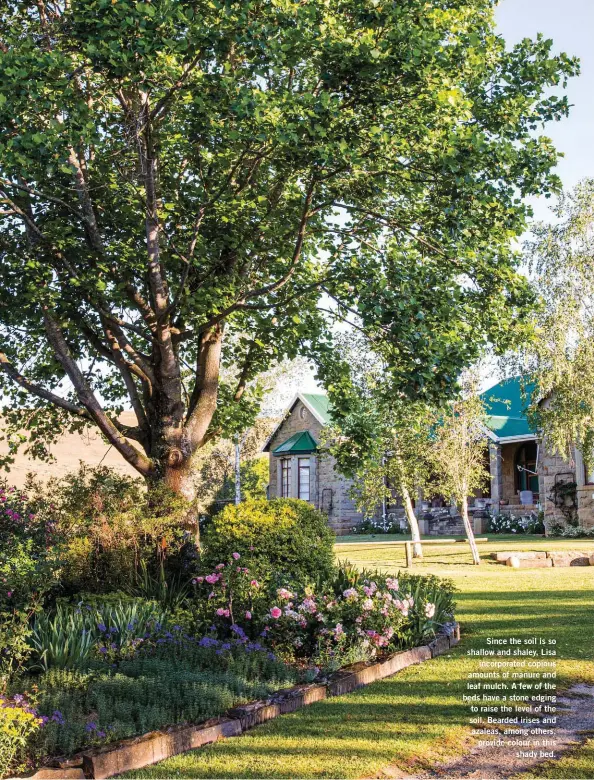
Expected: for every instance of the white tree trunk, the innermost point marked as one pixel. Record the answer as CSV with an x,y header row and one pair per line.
x,y
413,522
469,532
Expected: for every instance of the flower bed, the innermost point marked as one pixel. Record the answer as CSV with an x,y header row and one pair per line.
x,y
187,644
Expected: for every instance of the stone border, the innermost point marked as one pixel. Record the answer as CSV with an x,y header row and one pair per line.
x,y
545,558
142,751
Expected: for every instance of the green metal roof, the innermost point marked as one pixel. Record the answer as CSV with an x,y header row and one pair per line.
x,y
506,405
298,443
320,403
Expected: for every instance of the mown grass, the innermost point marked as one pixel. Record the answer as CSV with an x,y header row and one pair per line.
x,y
418,717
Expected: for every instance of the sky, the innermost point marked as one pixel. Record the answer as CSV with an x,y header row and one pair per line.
x,y
570,23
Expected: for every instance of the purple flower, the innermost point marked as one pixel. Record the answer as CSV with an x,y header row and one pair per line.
x,y
91,726
58,718
103,650
102,627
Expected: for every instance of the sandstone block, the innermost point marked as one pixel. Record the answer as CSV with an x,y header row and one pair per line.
x,y
440,645
569,558
138,753
254,713
50,773
529,563
300,696
502,557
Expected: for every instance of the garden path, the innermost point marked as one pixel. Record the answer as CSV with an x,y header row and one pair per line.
x,y
575,722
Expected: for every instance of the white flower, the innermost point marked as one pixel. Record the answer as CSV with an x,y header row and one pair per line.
x,y
430,610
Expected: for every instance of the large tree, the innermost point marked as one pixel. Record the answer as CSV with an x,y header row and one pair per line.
x,y
189,184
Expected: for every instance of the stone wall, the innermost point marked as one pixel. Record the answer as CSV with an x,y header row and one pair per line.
x,y
328,490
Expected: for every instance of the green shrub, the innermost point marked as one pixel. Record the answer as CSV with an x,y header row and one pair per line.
x,y
283,540
108,526
18,726
27,576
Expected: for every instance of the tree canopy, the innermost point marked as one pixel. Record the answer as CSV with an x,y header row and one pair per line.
x,y
558,359
194,184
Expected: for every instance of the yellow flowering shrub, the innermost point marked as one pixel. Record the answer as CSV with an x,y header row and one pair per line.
x,y
17,726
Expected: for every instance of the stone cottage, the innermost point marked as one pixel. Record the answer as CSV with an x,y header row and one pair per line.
x,y
525,476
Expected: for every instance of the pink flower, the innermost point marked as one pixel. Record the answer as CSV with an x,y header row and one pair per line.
x,y
338,630
223,612
309,605
283,593
255,584
275,612
350,594
392,583
9,594
212,578
236,556
248,615
220,566
367,605
429,610
197,580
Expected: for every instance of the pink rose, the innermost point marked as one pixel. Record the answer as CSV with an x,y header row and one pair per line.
x,y
222,612
220,566
276,612
248,615
236,556
212,578
255,584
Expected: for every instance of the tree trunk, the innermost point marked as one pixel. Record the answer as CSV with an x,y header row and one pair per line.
x,y
180,479
413,522
469,532
237,470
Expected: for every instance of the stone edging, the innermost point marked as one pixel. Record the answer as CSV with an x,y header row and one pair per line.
x,y
142,751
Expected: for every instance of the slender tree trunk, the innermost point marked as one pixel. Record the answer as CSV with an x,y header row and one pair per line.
x,y
237,470
412,521
469,532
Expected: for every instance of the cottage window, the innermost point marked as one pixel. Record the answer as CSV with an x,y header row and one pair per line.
x,y
285,478
303,480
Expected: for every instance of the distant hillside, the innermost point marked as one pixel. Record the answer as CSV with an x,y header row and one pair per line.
x,y
68,451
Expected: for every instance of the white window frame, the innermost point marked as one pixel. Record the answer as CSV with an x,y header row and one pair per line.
x,y
306,483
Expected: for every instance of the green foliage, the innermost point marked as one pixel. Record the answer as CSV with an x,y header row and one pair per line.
x,y
508,524
108,527
276,154
282,538
18,726
571,532
559,357
27,576
66,637
178,682
170,591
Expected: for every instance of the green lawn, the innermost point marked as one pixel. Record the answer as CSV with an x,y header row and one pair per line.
x,y
417,717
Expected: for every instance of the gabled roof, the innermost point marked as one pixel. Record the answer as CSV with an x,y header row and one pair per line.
x,y
317,403
299,443
506,405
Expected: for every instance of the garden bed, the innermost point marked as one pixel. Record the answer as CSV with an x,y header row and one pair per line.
x,y
148,749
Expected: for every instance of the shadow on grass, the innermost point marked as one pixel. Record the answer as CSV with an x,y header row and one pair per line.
x,y
414,718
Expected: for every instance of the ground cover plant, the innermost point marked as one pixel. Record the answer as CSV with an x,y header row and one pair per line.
x,y
417,717
182,639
